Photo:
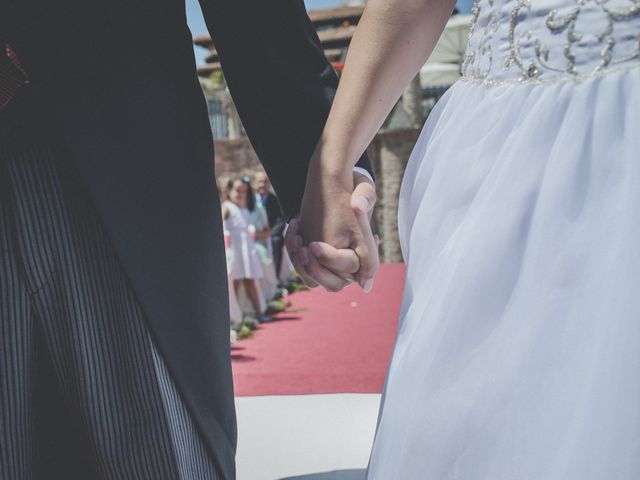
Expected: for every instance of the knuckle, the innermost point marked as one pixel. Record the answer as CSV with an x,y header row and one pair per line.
x,y
288,241
312,268
307,275
306,279
321,255
369,270
366,274
363,254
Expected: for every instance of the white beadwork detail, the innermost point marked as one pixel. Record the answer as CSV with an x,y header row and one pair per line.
x,y
576,42
547,81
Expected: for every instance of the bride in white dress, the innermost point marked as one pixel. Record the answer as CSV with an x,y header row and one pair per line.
x,y
518,351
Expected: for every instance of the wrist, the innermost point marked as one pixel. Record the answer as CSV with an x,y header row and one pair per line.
x,y
325,167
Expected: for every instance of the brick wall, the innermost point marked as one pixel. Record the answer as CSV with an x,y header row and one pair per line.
x,y
235,156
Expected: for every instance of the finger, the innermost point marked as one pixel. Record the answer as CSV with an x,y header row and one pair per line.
x,y
338,260
364,193
302,259
293,242
327,279
363,200
314,274
366,247
298,256
289,237
300,262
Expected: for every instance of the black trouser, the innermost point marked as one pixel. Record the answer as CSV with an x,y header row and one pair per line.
x,y
84,394
277,244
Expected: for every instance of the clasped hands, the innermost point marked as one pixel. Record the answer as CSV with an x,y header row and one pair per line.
x,y
331,243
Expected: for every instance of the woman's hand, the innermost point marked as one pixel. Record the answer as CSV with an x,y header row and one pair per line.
x,y
332,244
393,40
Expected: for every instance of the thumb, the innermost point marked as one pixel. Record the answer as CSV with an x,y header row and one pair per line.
x,y
363,200
363,197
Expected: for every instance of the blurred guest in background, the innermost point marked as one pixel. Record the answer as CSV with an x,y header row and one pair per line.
x,y
260,222
275,216
245,266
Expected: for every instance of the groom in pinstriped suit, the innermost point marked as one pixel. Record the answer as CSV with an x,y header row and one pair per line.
x,y
114,359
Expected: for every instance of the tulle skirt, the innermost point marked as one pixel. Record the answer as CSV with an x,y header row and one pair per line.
x,y
518,351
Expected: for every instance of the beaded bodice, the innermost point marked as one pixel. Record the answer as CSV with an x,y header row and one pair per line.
x,y
540,41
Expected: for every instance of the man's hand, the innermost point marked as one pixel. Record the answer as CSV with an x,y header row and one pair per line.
x,y
332,244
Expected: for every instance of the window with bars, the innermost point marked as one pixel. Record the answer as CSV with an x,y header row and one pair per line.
x,y
218,119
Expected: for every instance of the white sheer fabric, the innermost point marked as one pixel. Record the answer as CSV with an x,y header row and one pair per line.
x,y
518,353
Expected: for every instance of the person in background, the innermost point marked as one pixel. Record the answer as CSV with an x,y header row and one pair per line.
x,y
245,267
275,216
260,222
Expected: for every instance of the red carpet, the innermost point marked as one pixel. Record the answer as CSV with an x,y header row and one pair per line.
x,y
325,343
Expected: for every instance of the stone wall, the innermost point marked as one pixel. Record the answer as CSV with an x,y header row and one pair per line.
x,y
388,152
235,156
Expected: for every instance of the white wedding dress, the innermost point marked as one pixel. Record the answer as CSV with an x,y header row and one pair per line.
x,y
518,351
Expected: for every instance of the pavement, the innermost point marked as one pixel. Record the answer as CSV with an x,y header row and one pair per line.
x,y
305,437
308,384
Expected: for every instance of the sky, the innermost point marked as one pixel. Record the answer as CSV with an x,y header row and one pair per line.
x,y
198,27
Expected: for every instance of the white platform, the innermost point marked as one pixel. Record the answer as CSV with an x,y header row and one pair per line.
x,y
310,437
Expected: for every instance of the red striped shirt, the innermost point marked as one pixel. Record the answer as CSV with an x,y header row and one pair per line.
x,y
12,75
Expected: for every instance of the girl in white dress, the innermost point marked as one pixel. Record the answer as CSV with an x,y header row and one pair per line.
x,y
260,221
518,350
244,264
